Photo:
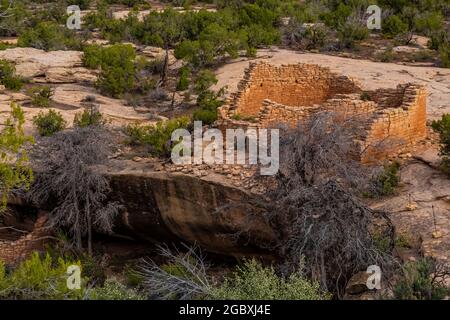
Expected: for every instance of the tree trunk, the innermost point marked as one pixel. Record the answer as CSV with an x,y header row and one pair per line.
x,y
89,229
165,67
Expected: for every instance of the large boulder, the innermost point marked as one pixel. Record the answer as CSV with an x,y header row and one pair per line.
x,y
165,207
162,206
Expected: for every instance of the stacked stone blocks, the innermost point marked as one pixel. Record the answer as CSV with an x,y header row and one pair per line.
x,y
392,120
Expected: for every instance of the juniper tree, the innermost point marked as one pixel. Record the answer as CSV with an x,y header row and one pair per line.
x,y
14,169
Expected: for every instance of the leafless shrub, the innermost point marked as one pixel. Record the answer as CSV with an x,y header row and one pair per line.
x,y
305,36
90,99
321,148
315,210
183,277
66,165
158,94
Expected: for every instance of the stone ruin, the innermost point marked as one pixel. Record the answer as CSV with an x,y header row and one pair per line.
x,y
17,248
392,120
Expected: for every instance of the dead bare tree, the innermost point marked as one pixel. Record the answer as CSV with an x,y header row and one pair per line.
x,y
315,210
67,175
184,277
320,148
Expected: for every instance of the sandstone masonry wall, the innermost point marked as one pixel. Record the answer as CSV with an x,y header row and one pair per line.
x,y
13,251
292,85
392,120
395,130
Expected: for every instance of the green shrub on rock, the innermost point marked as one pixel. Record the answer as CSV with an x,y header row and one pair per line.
x,y
15,171
41,96
49,123
117,67
157,136
183,81
91,116
384,182
8,76
442,127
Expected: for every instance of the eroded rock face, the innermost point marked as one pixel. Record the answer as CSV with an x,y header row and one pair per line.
x,y
49,67
164,207
421,209
161,206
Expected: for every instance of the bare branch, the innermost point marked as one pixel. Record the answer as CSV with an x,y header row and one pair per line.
x,y
183,277
315,208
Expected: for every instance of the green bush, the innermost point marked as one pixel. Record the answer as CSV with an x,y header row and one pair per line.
x,y
49,36
252,281
114,290
4,46
403,241
387,55
117,67
133,277
444,53
39,278
387,180
204,80
41,96
350,32
201,38
8,76
438,39
442,127
157,136
144,82
423,56
338,16
429,22
92,56
315,37
207,100
214,43
49,123
183,81
393,26
251,52
420,281
15,171
91,116
207,117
